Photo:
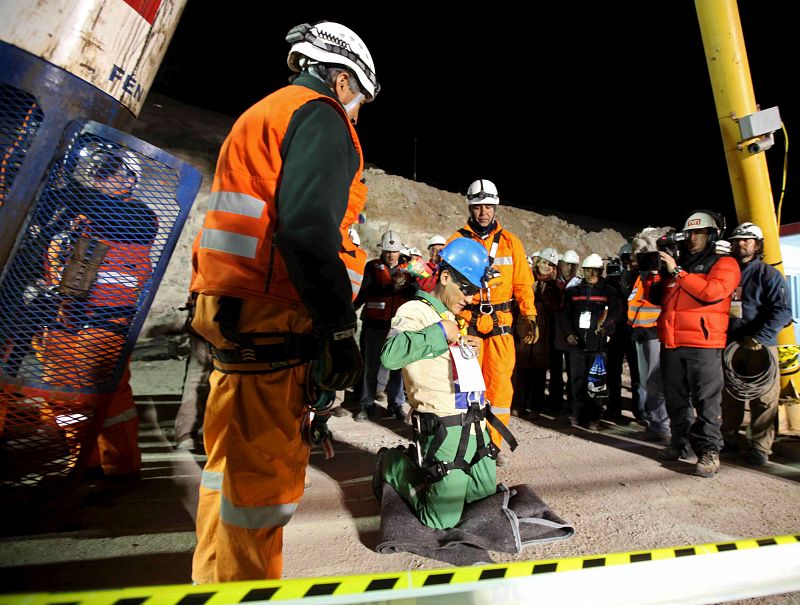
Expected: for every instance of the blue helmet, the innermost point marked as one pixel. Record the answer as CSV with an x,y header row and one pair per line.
x,y
467,258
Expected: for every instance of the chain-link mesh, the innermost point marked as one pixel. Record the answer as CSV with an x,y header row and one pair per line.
x,y
20,119
73,290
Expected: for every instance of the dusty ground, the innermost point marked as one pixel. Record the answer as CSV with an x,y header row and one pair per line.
x,y
608,484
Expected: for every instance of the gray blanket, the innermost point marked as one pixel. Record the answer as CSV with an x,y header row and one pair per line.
x,y
507,521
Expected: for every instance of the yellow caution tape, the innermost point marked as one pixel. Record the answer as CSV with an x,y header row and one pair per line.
x,y
301,588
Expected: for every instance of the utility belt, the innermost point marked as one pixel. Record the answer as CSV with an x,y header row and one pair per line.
x,y
484,308
487,308
272,353
430,424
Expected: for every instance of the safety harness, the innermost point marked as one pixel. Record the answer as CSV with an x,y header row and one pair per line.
x,y
258,352
485,307
425,424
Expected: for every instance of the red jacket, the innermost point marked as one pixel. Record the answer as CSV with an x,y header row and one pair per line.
x,y
695,304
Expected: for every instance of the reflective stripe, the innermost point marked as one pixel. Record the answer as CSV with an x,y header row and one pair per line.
x,y
355,277
117,278
236,203
503,260
212,480
126,415
256,517
376,305
496,410
232,243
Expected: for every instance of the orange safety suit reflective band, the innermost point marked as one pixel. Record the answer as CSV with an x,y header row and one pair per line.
x,y
515,282
641,312
235,253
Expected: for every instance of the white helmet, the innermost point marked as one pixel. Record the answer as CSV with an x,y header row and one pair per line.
x,y
413,251
550,255
701,220
570,256
332,43
593,261
436,240
390,242
482,192
747,231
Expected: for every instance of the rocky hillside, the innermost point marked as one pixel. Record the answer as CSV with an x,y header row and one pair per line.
x,y
413,209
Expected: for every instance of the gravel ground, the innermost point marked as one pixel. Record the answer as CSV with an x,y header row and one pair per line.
x,y
609,484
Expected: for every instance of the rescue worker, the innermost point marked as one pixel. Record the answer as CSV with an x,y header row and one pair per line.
x,y
533,360
643,320
288,174
489,316
758,313
96,268
452,461
591,312
695,298
435,245
386,286
567,276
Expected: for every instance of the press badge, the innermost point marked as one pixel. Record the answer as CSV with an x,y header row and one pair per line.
x,y
736,304
585,320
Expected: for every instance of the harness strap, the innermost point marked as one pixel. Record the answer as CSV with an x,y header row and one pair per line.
x,y
282,351
509,305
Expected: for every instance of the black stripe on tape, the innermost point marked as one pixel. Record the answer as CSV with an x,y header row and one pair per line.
x,y
196,598
318,590
382,584
600,562
728,546
493,574
132,601
641,556
685,552
439,578
766,542
545,568
259,594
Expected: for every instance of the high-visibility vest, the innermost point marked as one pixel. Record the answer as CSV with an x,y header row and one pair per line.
x,y
234,254
641,313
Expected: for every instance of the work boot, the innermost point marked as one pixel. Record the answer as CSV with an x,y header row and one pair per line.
x,y
365,413
673,454
756,458
396,411
338,411
708,464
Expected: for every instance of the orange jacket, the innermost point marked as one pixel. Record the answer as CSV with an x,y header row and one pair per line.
x,y
641,313
695,305
384,291
515,283
237,253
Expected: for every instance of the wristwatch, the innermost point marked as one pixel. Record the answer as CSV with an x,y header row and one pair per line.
x,y
676,270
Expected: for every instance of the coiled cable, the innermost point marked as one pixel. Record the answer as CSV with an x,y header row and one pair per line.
x,y
744,382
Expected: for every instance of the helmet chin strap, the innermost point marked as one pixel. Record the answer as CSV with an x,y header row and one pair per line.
x,y
354,103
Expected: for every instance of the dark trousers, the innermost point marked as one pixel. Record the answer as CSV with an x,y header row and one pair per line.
x,y
559,360
693,382
199,364
620,348
584,408
529,386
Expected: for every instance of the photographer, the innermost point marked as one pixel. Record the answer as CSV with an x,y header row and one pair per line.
x,y
695,298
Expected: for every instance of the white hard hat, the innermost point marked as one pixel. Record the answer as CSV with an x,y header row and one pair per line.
x,y
550,255
747,231
332,43
390,242
536,254
593,261
701,220
414,251
436,240
482,192
570,256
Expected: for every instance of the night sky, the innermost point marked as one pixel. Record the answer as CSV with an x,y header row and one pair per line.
x,y
595,109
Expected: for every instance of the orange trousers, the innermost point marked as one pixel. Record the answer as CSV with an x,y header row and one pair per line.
x,y
253,479
497,358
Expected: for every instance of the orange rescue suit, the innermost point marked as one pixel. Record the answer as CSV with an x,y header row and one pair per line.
x,y
253,479
514,286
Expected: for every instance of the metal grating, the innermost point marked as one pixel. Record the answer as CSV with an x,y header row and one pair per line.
x,y
20,119
70,299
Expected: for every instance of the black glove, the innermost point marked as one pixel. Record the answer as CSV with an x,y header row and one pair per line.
x,y
339,363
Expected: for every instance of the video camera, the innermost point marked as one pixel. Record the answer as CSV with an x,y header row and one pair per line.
x,y
613,267
670,243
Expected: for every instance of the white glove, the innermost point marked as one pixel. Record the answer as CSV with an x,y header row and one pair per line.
x,y
722,246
